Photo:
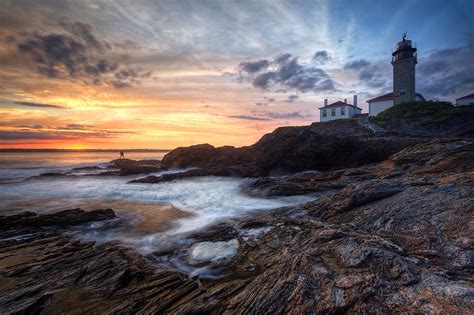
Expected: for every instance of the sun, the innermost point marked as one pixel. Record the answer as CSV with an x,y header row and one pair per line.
x,y
75,146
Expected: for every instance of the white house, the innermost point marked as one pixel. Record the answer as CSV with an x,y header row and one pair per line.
x,y
338,110
465,100
383,102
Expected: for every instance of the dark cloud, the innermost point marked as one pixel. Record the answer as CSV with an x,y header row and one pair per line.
x,y
31,104
446,72
75,127
36,126
291,98
321,57
77,55
276,115
247,117
263,80
61,133
282,58
287,72
22,135
369,73
357,64
253,66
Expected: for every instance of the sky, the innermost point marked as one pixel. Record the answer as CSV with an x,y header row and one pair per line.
x,y
163,74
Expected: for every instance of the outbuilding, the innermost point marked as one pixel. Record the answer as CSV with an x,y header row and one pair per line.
x,y
339,110
465,100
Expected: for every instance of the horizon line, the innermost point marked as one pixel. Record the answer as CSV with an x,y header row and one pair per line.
x,y
105,150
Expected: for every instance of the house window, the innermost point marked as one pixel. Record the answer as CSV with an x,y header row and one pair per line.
x,y
333,112
343,111
402,92
325,113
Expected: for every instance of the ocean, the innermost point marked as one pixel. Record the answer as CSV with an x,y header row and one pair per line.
x,y
149,215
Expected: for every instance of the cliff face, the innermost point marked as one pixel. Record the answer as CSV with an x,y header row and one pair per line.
x,y
394,236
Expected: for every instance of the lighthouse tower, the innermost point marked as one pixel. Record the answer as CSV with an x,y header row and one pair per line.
x,y
404,62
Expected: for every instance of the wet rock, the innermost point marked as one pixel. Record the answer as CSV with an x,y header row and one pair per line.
x,y
51,174
214,252
371,243
131,167
59,219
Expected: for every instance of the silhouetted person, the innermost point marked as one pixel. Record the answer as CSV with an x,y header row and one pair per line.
x,y
122,155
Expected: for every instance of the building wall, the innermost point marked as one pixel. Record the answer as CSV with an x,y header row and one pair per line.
x,y
353,111
349,111
376,107
338,113
404,79
466,101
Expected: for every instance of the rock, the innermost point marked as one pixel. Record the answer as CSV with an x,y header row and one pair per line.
x,y
371,243
51,174
132,167
208,171
293,149
59,219
214,252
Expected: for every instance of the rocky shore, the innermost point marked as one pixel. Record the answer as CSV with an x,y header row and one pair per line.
x,y
389,231
394,236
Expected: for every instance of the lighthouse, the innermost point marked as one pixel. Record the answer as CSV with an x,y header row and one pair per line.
x,y
404,61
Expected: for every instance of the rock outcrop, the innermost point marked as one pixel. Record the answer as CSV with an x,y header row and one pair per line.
x,y
320,146
390,237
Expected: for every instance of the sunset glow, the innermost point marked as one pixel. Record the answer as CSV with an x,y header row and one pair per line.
x,y
151,74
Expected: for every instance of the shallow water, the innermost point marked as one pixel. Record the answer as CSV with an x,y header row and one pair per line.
x,y
154,213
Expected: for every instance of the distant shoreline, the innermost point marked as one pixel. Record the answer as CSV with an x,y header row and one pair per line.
x,y
83,150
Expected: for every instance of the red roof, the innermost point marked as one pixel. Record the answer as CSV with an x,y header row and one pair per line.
x,y
465,97
386,97
338,104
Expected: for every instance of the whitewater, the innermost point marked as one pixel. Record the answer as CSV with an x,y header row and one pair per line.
x,y
188,205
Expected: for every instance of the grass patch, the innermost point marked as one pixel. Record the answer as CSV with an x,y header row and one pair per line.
x,y
421,113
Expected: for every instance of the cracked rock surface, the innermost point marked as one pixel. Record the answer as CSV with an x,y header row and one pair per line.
x,y
389,237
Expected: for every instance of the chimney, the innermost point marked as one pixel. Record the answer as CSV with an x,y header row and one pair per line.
x,y
355,101
345,100
325,102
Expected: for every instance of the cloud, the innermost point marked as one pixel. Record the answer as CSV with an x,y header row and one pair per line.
x,y
276,115
75,127
253,66
77,55
286,72
357,64
247,117
265,116
68,132
291,98
321,57
22,135
369,73
31,104
446,72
